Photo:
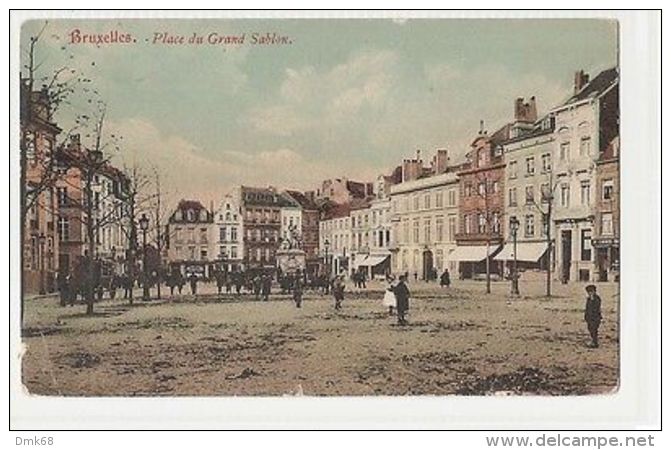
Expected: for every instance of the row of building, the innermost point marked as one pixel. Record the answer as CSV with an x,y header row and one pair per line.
x,y
555,178
55,210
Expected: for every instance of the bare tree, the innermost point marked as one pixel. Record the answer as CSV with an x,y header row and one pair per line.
x,y
546,206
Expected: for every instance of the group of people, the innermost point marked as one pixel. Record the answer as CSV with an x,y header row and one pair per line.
x,y
397,298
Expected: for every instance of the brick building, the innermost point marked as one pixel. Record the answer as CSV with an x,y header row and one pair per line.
x,y
309,230
481,204
39,236
188,236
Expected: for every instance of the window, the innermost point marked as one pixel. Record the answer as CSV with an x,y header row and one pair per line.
x,y
529,225
468,190
222,234
222,252
546,162
496,223
607,224
452,197
495,187
585,146
62,196
512,169
439,229
565,195
63,229
584,192
427,231
608,186
544,226
451,228
427,201
203,235
545,193
439,199
406,231
415,203
482,223
482,188
234,252
512,197
467,224
529,195
586,245
531,165
192,253
415,231
565,151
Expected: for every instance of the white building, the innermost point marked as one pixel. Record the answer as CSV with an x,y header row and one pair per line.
x,y
424,219
335,238
226,243
528,182
584,125
291,218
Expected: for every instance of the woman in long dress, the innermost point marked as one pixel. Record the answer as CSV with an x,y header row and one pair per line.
x,y
389,299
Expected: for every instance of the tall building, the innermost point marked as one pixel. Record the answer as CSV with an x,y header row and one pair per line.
x,y
424,218
189,237
261,210
481,205
227,244
335,238
528,157
109,207
40,246
342,190
585,125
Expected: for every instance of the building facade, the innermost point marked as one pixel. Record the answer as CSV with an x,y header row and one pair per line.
x,y
424,221
309,229
189,237
528,183
335,239
227,244
584,126
261,210
481,205
40,245
606,241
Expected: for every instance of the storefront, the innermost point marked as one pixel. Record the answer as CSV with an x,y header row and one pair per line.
x,y
472,260
607,258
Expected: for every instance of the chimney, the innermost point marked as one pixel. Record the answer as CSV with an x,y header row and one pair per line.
x,y
482,127
580,79
525,112
440,161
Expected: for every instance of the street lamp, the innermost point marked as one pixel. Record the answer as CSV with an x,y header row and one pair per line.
x,y
144,224
514,226
327,244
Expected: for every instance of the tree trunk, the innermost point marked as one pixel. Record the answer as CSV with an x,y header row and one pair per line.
x,y
489,285
90,235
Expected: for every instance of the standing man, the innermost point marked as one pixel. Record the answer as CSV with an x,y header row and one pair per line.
x,y
266,285
193,282
593,314
219,277
298,291
445,278
402,299
339,291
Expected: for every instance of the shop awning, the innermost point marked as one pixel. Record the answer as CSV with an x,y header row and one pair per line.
x,y
372,261
472,253
526,251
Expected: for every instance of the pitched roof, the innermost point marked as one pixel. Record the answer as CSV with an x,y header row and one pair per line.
x,y
303,200
597,86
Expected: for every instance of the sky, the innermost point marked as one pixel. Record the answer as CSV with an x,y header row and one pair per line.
x,y
340,98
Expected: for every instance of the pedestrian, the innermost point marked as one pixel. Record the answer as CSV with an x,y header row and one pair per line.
x,y
445,278
402,299
193,282
593,314
113,286
415,276
238,283
338,291
219,277
298,292
256,283
265,288
389,299
228,283
62,283
179,281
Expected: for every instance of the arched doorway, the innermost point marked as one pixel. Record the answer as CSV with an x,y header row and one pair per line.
x,y
427,264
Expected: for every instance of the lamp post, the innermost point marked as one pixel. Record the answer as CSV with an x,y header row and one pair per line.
x,y
144,224
514,226
327,244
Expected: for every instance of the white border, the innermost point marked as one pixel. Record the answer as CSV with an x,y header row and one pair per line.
x,y
635,406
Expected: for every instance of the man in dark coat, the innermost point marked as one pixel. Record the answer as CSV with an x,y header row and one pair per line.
x,y
266,284
298,291
402,299
445,278
193,281
593,314
338,291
